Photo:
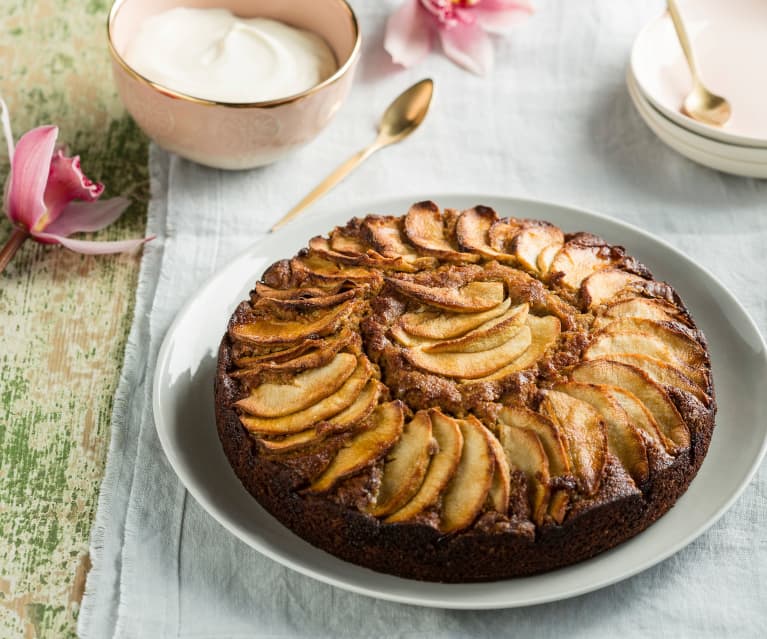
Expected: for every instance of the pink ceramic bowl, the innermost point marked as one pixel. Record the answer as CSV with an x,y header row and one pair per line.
x,y
233,135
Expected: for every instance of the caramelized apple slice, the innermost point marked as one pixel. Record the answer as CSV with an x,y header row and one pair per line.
x,y
577,262
648,392
501,234
342,242
291,443
551,439
501,487
532,239
307,302
654,309
320,246
425,229
384,233
473,297
584,434
365,447
305,389
264,290
279,356
604,285
490,335
472,365
667,341
546,257
524,452
441,468
272,331
332,405
469,487
405,466
544,332
623,439
663,373
438,325
640,416
313,268
472,229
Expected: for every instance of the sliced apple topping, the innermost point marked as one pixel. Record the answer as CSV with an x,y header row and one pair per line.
x,y
492,334
663,373
473,365
584,433
278,355
473,297
551,439
405,466
291,443
544,332
472,230
640,416
342,242
623,438
441,469
364,448
534,238
468,489
546,257
648,392
501,487
425,229
316,269
305,389
370,258
436,325
648,308
524,452
307,302
325,409
272,331
385,234
604,285
577,262
501,234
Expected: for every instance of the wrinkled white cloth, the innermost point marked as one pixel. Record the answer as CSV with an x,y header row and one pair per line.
x,y
553,121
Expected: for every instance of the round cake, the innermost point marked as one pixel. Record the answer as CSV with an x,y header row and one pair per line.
x,y
454,396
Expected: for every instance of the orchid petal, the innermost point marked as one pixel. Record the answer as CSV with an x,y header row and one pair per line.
x,y
408,34
29,174
468,46
66,182
87,216
93,248
498,16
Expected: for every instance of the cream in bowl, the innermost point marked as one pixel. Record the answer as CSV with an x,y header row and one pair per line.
x,y
233,84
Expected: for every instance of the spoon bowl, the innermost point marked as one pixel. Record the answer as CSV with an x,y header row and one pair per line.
x,y
405,114
707,107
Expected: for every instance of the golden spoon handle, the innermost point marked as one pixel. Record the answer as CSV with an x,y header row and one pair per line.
x,y
681,33
328,183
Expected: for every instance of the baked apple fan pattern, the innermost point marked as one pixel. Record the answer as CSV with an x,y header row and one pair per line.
x,y
456,369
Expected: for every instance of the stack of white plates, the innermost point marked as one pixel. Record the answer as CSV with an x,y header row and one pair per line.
x,y
730,44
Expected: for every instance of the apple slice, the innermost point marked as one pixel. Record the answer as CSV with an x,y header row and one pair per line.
x,y
364,448
623,438
654,309
551,439
278,356
663,373
405,466
321,247
546,257
532,239
577,262
473,297
425,229
384,233
272,331
437,325
334,404
264,290
472,365
604,285
558,503
490,335
307,302
291,443
584,433
501,234
544,332
441,469
647,391
468,489
524,452
342,242
500,489
316,269
640,416
472,229
305,389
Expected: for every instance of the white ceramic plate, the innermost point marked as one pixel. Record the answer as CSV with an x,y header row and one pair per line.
x,y
730,44
183,409
729,158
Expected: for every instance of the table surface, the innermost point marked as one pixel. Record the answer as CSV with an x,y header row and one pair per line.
x,y
64,317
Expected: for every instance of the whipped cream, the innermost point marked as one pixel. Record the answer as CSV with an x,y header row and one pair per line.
x,y
212,54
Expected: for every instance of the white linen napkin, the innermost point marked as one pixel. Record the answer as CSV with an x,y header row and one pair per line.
x,y
552,121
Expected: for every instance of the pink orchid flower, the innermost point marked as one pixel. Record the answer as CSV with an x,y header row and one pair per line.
x,y
48,197
461,25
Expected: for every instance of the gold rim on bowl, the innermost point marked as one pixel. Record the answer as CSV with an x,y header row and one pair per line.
x,y
340,72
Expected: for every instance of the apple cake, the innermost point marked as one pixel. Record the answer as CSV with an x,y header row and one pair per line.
x,y
454,396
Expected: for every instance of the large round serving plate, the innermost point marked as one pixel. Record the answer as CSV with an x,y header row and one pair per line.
x,y
183,409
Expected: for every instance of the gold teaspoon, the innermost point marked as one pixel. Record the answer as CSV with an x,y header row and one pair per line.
x,y
401,118
700,104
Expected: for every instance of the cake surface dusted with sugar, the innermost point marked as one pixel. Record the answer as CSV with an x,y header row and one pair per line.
x,y
456,396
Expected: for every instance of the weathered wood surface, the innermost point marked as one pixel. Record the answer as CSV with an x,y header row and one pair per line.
x,y
64,318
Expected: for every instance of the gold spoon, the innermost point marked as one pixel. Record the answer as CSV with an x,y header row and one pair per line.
x,y
700,104
401,118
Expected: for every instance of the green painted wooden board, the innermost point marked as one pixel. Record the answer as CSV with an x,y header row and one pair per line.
x,y
64,318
